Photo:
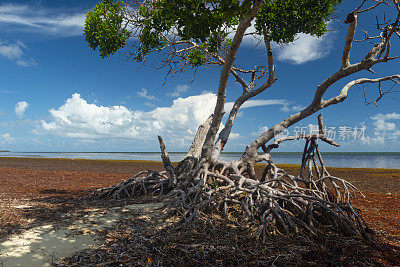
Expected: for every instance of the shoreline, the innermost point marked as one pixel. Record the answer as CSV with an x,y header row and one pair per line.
x,y
156,162
381,160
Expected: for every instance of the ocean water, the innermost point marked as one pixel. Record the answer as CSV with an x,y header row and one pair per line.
x,y
349,160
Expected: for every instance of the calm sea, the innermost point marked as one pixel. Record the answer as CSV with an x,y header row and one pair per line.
x,y
354,160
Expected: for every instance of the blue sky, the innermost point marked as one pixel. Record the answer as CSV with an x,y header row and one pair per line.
x,y
56,94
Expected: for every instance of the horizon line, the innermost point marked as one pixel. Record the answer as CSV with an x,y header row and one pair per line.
x,y
181,152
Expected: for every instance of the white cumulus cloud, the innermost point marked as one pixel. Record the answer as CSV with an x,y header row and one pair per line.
x,y
179,90
385,128
11,51
15,53
287,108
6,139
79,119
20,108
145,94
304,49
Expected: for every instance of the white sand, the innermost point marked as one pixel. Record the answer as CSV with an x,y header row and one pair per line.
x,y
41,245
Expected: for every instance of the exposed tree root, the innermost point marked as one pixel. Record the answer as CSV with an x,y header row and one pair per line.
x,y
144,182
276,203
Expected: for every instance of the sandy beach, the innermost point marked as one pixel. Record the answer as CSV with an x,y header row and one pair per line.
x,y
53,187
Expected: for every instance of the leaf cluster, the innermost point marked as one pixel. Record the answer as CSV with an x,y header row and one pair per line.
x,y
206,22
281,20
103,28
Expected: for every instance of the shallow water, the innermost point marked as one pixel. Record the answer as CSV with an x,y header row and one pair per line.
x,y
353,160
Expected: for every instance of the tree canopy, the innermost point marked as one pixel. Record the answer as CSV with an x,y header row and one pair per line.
x,y
205,22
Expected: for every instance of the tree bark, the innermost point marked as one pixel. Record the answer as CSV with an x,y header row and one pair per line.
x,y
169,168
226,70
224,134
195,148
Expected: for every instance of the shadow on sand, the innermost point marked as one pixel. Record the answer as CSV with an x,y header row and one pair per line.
x,y
62,224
